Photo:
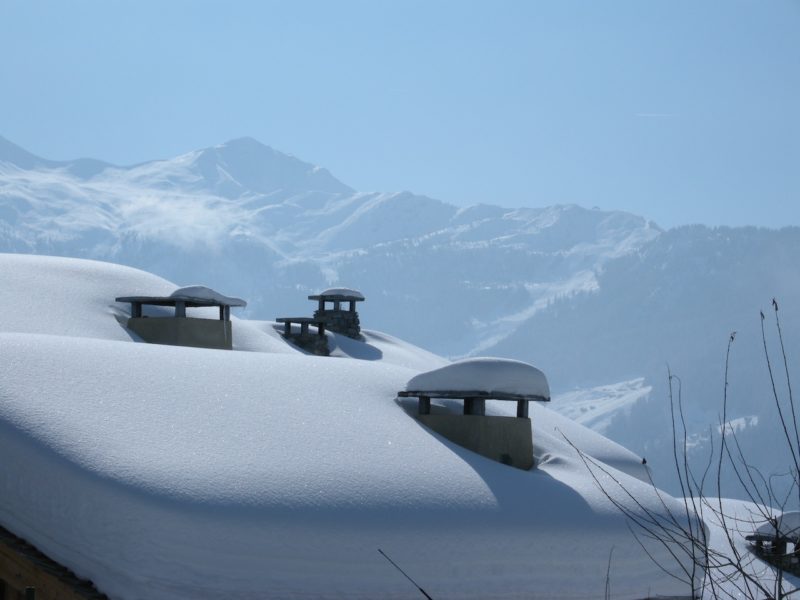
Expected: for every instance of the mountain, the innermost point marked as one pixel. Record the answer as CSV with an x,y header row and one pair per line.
x,y
672,307
599,299
240,168
692,286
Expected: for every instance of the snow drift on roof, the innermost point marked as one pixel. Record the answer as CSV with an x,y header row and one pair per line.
x,y
491,375
204,294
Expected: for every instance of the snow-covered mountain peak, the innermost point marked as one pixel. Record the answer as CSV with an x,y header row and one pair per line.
x,y
242,167
245,165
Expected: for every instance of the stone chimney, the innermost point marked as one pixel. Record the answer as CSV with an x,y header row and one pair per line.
x,y
337,309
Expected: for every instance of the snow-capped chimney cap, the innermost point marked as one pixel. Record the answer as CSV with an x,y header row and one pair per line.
x,y
201,293
339,294
486,376
788,526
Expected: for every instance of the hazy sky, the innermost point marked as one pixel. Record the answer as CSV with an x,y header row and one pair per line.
x,y
680,111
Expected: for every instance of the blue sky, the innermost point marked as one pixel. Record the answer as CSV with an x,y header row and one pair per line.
x,y
682,111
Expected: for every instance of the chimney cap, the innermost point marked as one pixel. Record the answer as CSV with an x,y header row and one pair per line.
x,y
340,294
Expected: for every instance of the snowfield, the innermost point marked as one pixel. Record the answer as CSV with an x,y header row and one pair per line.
x,y
166,473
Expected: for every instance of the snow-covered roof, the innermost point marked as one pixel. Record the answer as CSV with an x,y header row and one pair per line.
x,y
338,293
222,474
498,376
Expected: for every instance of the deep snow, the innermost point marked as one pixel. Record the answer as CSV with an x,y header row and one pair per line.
x,y
173,473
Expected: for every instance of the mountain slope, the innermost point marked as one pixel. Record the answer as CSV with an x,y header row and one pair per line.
x,y
674,305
